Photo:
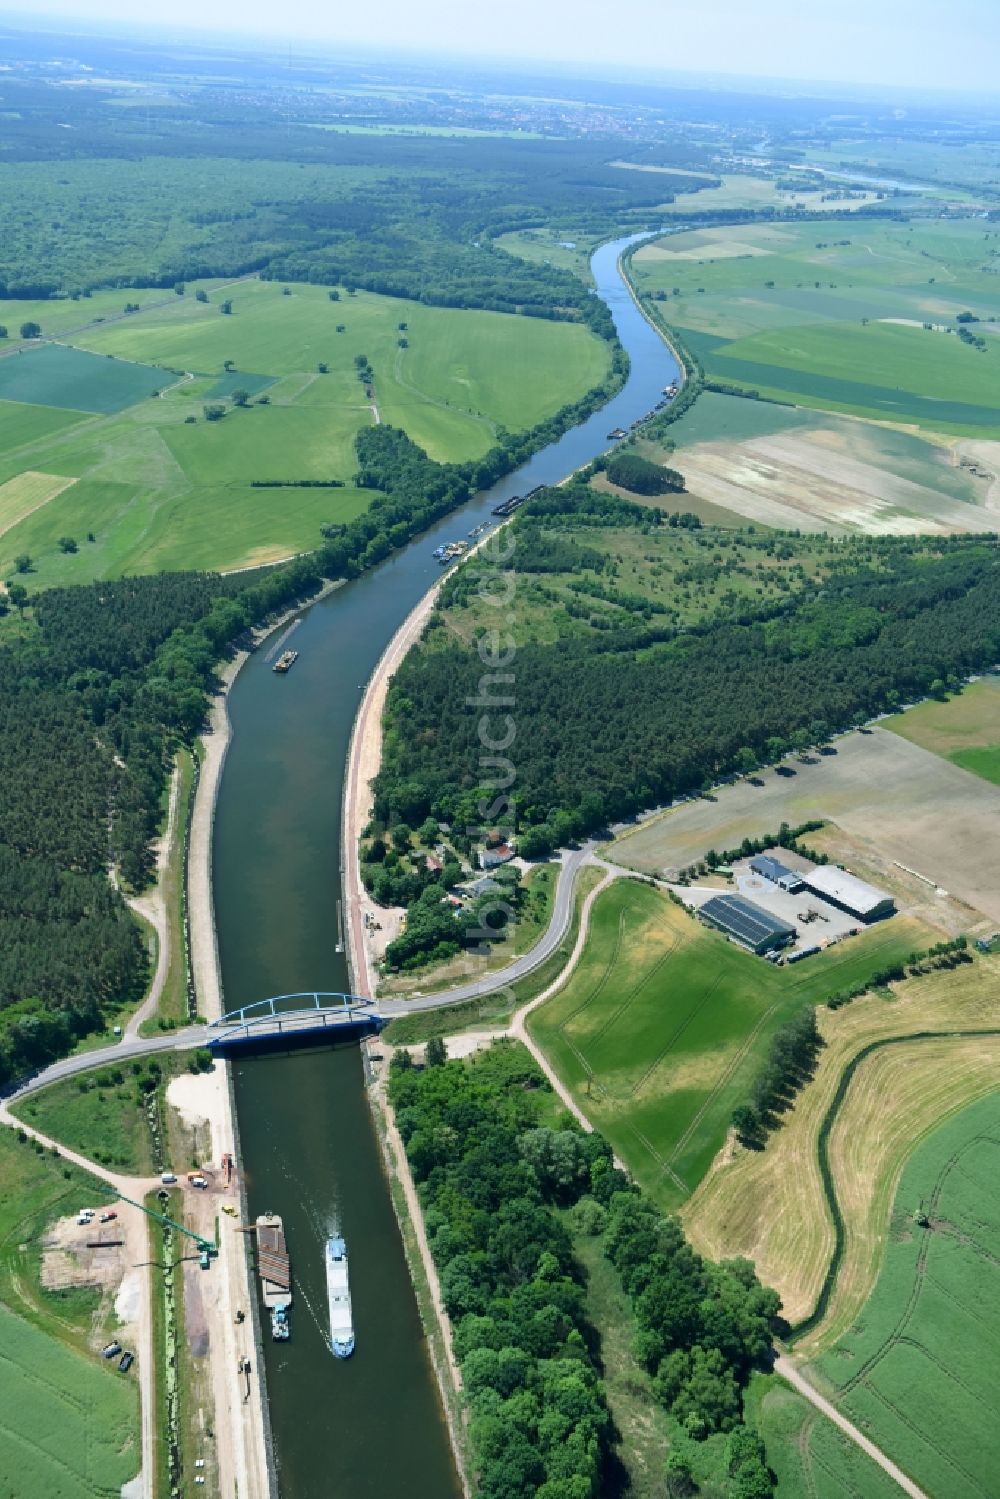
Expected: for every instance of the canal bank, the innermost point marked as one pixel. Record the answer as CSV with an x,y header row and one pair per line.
x,y
371,1425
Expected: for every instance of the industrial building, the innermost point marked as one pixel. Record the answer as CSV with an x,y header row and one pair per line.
x,y
779,874
749,925
848,893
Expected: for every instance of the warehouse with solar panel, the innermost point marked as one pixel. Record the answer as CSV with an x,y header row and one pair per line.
x,y
746,923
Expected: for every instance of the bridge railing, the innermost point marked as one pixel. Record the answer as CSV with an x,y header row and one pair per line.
x,y
309,1005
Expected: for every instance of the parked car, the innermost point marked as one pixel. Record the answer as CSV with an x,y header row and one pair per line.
x,y
108,1217
125,1362
111,1350
168,1178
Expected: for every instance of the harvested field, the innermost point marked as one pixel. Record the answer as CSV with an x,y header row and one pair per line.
x,y
769,1205
27,492
810,479
894,800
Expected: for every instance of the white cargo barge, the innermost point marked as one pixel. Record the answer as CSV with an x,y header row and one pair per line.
x,y
338,1292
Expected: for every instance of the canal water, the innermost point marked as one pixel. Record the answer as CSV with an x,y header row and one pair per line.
x,y
371,1427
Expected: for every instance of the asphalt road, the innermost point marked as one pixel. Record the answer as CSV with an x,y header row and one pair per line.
x,y
562,914
193,1036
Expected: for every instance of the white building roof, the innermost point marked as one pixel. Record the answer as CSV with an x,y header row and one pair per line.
x,y
856,894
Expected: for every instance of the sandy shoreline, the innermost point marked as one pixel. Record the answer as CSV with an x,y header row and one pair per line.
x,y
364,757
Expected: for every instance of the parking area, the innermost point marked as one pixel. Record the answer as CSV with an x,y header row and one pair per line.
x,y
817,923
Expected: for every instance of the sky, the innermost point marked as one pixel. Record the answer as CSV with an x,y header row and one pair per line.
x,y
951,44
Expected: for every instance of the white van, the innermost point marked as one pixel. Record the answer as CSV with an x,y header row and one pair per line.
x,y
168,1178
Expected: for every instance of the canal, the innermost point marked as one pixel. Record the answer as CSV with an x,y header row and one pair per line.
x,y
371,1426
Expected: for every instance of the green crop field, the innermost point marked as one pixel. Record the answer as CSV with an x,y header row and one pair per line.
x,y
929,1337
807,1453
964,729
904,373
66,1422
22,425
159,487
832,315
663,1024
69,1424
55,375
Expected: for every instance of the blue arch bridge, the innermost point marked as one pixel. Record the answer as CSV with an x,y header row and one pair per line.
x,y
289,1020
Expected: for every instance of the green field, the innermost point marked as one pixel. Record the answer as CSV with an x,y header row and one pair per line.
x,y
663,1025
69,1424
160,488
101,1115
807,1453
54,375
832,315
909,374
63,315
929,1338
964,729
67,1427
22,426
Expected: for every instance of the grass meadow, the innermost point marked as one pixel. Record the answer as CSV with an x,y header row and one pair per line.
x,y
965,729
832,316
663,1025
158,487
929,1337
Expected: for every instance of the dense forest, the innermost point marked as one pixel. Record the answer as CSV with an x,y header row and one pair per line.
x,y
502,1195
615,721
105,682
169,198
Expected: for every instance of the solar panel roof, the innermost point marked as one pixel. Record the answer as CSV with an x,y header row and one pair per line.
x,y
741,917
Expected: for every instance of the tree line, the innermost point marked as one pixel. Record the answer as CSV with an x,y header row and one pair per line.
x,y
496,1185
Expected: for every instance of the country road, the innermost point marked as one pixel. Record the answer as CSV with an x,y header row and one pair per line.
x,y
789,1371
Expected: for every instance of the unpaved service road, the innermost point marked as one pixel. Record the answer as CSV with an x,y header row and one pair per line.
x,y
892,798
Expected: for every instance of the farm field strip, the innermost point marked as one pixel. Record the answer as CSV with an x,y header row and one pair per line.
x,y
857,317
793,1242
27,493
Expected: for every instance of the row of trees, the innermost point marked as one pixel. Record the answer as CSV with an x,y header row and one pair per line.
x,y
491,1179
790,1062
